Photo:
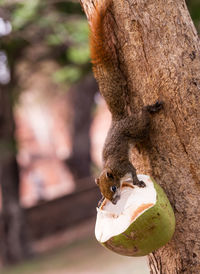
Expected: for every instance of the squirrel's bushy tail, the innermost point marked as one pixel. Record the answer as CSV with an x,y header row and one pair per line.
x,y
104,59
100,50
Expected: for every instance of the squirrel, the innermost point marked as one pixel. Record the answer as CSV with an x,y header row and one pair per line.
x,y
126,129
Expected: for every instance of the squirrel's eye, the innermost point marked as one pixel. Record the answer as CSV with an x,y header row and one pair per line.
x,y
113,188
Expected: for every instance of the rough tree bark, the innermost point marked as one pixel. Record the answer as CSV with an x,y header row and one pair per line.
x,y
158,50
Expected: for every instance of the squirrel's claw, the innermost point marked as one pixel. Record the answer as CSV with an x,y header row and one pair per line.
x,y
140,183
100,201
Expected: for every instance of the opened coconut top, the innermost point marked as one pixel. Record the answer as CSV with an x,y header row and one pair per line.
x,y
134,201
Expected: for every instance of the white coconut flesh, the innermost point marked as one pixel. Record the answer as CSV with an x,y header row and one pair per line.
x,y
134,201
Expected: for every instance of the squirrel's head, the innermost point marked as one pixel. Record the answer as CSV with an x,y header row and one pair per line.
x,y
109,185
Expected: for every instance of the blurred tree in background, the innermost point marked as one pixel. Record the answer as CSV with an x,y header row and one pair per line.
x,y
60,31
13,244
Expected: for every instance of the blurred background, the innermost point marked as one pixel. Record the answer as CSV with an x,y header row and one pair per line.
x,y
53,124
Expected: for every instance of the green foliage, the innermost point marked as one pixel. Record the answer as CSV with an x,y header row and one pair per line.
x,y
66,36
24,13
59,25
79,55
74,33
68,74
69,7
3,2
78,31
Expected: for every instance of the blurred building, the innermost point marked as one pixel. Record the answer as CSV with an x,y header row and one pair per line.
x,y
43,134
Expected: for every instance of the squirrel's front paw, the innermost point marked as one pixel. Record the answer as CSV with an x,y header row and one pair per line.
x,y
141,184
155,107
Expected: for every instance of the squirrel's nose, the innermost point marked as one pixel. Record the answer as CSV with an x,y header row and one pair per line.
x,y
115,199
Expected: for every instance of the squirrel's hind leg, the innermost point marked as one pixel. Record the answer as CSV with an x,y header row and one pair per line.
x,y
136,126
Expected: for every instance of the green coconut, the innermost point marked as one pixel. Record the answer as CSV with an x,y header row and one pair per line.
x,y
141,221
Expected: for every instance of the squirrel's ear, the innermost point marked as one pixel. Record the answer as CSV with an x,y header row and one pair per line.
x,y
109,175
97,181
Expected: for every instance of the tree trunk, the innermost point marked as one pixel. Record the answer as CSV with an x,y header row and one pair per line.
x,y
158,49
13,246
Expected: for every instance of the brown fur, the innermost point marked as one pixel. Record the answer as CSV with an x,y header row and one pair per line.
x,y
121,135
125,129
104,59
